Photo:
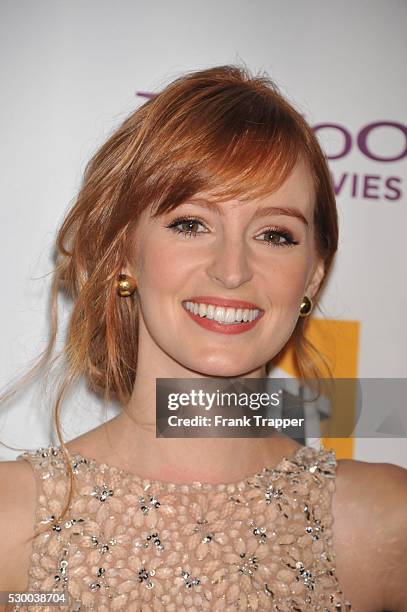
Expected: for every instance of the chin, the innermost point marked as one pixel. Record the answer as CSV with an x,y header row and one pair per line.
x,y
215,368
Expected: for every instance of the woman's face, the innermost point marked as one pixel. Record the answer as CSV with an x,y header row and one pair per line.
x,y
243,251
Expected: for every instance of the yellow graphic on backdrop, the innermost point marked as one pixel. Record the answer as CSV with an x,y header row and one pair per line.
x,y
338,342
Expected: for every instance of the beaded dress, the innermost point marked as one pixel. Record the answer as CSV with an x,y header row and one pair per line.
x,y
132,544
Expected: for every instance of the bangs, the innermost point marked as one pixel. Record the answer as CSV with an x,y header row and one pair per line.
x,y
227,141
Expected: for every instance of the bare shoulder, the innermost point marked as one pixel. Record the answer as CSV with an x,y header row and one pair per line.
x,y
370,534
18,501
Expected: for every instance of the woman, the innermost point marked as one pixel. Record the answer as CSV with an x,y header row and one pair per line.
x,y
212,201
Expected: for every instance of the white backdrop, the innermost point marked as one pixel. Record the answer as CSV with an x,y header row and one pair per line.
x,y
71,71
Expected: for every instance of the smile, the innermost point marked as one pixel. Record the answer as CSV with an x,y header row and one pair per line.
x,y
229,320
222,314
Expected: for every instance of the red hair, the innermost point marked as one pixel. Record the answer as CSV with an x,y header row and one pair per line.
x,y
220,130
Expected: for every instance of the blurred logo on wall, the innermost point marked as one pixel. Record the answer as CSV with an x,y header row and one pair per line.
x,y
378,145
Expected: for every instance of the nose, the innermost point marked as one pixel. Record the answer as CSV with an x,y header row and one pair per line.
x,y
229,266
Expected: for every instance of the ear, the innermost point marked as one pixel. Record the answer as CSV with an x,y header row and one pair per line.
x,y
129,269
316,278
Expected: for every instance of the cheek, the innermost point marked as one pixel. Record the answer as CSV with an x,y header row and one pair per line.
x,y
286,278
162,268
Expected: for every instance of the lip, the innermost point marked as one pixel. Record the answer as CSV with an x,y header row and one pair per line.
x,y
223,328
207,299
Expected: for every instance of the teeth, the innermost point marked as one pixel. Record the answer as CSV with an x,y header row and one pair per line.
x,y
222,314
230,315
210,311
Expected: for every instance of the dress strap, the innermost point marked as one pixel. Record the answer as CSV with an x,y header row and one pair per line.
x,y
52,481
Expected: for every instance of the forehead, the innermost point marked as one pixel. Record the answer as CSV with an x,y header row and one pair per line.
x,y
297,190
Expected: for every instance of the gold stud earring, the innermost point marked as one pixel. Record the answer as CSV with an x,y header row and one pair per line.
x,y
126,285
306,306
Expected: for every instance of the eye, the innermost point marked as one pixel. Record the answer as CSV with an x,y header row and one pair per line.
x,y
186,226
278,237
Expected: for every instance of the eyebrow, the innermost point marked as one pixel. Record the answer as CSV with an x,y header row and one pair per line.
x,y
261,212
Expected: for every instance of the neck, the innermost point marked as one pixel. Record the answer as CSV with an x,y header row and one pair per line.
x,y
132,438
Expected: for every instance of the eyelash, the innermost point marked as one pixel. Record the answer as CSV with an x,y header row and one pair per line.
x,y
189,234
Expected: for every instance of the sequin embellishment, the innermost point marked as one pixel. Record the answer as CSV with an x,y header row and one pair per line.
x,y
131,544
